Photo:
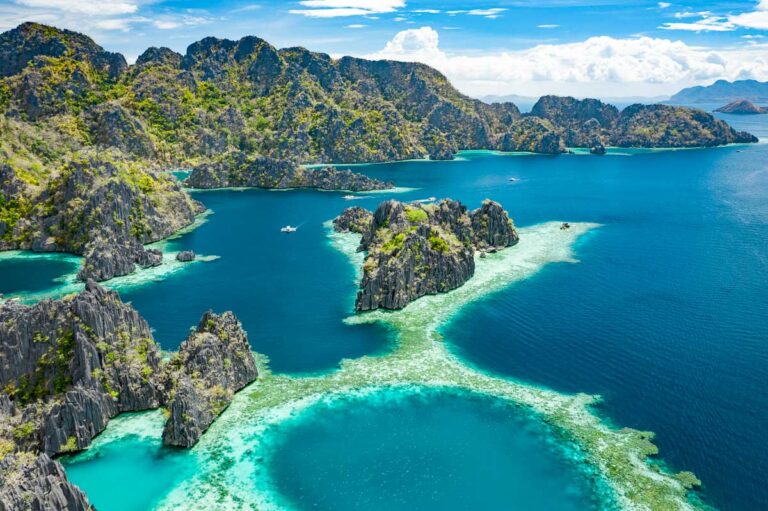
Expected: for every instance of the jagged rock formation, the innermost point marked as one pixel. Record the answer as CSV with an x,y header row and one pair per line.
x,y
29,482
98,205
80,131
416,249
533,135
492,228
592,123
354,219
70,365
742,107
212,364
240,170
185,256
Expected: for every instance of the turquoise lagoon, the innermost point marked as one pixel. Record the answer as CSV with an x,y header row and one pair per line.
x,y
665,316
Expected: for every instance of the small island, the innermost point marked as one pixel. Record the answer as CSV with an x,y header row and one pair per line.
x,y
742,107
419,249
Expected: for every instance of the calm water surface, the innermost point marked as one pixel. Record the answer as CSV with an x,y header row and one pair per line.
x,y
666,316
447,450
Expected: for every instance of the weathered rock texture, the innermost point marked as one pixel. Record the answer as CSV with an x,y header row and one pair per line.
x,y
416,249
68,366
37,483
240,170
212,364
592,123
80,132
72,364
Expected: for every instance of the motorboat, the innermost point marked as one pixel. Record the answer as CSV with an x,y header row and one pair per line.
x,y
289,229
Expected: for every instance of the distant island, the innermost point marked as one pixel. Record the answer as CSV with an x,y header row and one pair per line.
x,y
742,107
723,91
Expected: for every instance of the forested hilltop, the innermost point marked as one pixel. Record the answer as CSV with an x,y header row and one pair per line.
x,y
83,134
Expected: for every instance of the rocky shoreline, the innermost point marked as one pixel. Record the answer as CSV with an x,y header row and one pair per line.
x,y
239,170
68,366
413,250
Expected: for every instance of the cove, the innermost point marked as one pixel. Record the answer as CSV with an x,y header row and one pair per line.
x,y
428,449
27,272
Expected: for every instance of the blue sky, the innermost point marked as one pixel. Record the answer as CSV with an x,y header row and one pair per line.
x,y
579,47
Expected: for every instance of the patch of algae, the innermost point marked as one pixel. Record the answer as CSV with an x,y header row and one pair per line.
x,y
228,454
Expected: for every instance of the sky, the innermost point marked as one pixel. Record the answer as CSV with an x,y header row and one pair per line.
x,y
596,48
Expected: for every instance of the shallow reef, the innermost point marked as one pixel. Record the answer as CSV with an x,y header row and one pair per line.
x,y
227,456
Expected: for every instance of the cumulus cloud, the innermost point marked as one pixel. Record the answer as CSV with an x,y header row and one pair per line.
x,y
340,8
598,65
709,22
664,5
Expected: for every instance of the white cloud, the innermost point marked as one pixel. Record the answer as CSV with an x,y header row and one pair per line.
x,y
547,25
488,13
92,7
356,25
664,5
339,8
599,65
756,19
426,11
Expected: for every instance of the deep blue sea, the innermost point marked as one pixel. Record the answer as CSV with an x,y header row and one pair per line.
x,y
666,315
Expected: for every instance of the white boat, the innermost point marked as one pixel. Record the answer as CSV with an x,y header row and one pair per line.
x,y
288,229
513,179
424,201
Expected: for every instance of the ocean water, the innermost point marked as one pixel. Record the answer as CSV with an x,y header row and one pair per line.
x,y
666,315
428,450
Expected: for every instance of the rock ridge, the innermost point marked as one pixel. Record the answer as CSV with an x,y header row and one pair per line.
x,y
420,249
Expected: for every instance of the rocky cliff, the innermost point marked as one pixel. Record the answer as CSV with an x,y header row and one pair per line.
x,y
238,169
60,197
592,123
29,482
415,249
68,366
80,132
212,364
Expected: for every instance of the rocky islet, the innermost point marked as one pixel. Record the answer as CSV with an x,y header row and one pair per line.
x,y
70,365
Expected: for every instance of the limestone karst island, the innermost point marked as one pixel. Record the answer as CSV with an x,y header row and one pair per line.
x,y
383,255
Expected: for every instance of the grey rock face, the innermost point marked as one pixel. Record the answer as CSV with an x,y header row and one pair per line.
x,y
72,364
104,212
416,250
212,364
532,134
18,47
185,256
240,170
112,125
492,227
37,483
354,219
330,178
